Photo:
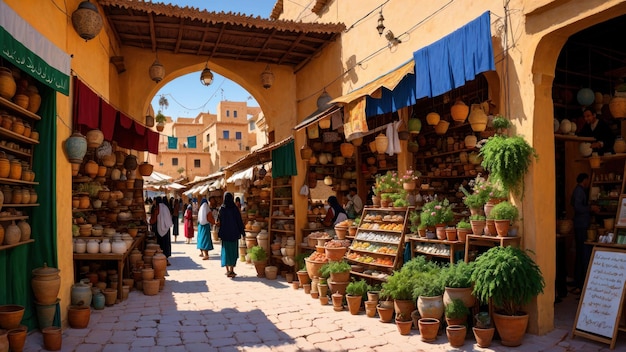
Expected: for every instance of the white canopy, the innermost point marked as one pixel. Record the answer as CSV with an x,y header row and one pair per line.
x,y
156,177
246,174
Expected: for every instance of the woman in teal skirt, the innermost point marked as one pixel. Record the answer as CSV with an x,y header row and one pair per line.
x,y
231,230
205,221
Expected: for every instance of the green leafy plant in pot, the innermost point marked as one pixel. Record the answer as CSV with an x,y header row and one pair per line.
x,y
259,257
483,331
428,291
504,214
457,281
508,159
510,278
355,293
456,312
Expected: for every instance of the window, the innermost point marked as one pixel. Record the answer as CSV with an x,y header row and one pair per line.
x,y
196,163
227,113
235,113
174,161
226,134
252,126
208,137
238,135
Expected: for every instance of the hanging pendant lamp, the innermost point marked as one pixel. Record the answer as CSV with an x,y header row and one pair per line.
x,y
86,20
267,77
157,71
206,77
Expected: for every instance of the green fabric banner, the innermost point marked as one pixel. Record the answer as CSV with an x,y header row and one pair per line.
x,y
27,61
16,264
284,161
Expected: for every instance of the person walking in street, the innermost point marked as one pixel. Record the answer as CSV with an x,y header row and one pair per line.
x,y
174,208
163,224
231,229
205,221
188,217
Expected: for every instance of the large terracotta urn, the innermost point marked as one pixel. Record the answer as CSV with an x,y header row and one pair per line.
x,y
76,147
430,307
459,111
94,138
8,86
46,283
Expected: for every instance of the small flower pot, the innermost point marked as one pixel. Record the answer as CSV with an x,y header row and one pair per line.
x,y
456,335
429,327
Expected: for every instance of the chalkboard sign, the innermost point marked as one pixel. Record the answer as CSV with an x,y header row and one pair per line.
x,y
601,300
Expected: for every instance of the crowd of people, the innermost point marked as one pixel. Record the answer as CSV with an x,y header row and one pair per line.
x,y
225,220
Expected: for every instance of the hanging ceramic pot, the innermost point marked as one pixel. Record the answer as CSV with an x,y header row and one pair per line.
x,y
459,111
306,152
76,147
617,106
347,149
381,143
477,118
130,162
415,125
442,127
145,169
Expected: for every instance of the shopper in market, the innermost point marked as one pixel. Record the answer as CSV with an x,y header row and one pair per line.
x,y
205,221
174,209
163,225
599,130
354,207
582,220
188,225
335,213
231,229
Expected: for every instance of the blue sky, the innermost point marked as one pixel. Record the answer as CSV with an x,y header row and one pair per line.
x,y
187,97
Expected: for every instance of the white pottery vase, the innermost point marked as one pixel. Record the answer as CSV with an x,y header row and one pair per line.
x,y
105,246
430,307
93,247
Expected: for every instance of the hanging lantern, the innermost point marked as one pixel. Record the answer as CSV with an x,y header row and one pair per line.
x,y
459,111
381,143
157,71
306,152
94,138
415,125
585,96
267,77
76,148
328,181
87,21
346,149
357,141
206,77
323,100
433,118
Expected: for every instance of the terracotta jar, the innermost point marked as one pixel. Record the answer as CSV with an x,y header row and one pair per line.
x,y
7,83
12,234
7,191
17,195
46,283
5,165
34,134
27,130
21,100
16,170
33,196
91,168
25,196
34,99
18,126
94,138
25,230
159,264
4,341
7,121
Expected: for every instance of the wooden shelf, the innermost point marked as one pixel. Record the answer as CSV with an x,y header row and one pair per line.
x,y
17,182
17,137
18,109
356,273
11,218
572,138
445,153
14,151
385,242
379,230
370,252
8,246
6,205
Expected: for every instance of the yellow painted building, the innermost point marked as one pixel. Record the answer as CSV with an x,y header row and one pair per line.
x,y
527,38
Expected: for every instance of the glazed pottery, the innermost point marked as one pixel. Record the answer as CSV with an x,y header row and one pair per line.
x,y
46,284
81,294
46,313
98,300
76,147
430,307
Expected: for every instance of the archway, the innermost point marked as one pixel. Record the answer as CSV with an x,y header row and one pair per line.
x,y
556,176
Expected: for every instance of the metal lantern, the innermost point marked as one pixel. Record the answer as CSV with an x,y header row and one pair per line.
x,y
206,77
381,26
267,77
87,20
262,172
157,71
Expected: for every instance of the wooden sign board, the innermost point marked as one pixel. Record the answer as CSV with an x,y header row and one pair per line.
x,y
600,306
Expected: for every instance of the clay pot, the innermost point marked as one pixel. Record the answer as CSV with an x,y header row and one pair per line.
x,y
25,229
21,100
17,338
16,170
7,83
432,118
10,316
130,162
81,294
145,169
18,127
459,111
159,264
430,307
110,295
46,283
34,99
477,118
151,287
52,338
12,234
428,329
91,168
456,335
78,316
5,165
381,143
76,147
385,313
94,138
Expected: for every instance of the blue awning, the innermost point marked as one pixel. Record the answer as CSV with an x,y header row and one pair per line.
x,y
454,59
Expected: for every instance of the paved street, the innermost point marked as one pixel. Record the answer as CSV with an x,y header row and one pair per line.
x,y
200,309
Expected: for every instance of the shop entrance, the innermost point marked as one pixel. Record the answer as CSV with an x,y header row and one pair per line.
x,y
588,60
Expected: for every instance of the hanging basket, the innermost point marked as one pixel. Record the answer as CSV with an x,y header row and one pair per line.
x,y
442,127
477,118
145,169
306,152
433,118
347,149
459,111
415,125
617,106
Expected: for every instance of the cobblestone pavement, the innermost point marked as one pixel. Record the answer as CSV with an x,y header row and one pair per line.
x,y
200,309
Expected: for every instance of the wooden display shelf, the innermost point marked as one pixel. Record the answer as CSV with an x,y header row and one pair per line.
x,y
17,182
572,138
453,247
370,252
6,205
18,137
14,151
8,246
385,242
379,230
356,273
5,103
11,218
373,264
283,231
283,217
445,153
489,241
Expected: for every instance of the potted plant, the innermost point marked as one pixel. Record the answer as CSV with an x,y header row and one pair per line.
x,y
429,292
456,279
483,331
399,287
510,278
507,159
463,227
501,124
477,222
337,271
354,295
504,214
437,213
373,292
456,312
400,203
160,119
259,258
410,179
